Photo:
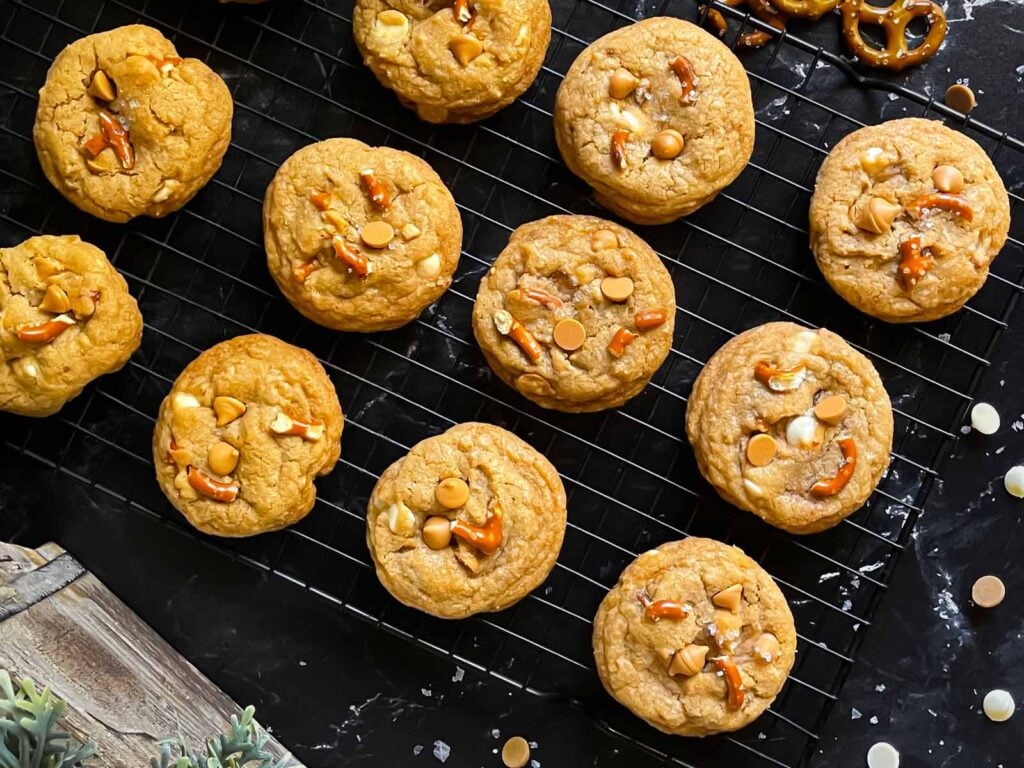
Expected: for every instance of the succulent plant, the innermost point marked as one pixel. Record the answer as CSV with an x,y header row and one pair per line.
x,y
30,734
242,745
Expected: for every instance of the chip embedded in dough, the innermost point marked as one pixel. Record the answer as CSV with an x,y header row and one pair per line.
x,y
947,217
66,317
498,545
633,97
600,279
667,650
243,433
126,127
776,380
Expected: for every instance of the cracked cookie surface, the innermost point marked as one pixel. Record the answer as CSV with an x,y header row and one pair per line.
x,y
243,433
897,163
66,317
552,272
175,111
358,253
453,61
771,380
634,646
507,479
664,87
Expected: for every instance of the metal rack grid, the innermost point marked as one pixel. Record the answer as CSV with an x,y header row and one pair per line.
x,y
200,277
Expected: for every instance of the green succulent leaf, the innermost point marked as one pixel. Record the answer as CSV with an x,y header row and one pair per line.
x,y
241,746
30,735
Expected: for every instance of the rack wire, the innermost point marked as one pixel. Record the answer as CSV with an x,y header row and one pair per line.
x,y
200,277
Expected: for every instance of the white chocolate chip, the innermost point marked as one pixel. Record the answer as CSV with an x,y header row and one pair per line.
x,y
998,705
401,520
503,321
392,24
803,432
430,266
985,418
883,755
753,488
624,118
1014,482
183,400
165,190
410,231
804,342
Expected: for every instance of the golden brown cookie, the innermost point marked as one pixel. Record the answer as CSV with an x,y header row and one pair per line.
x,y
66,317
468,521
453,61
791,424
577,313
244,431
695,638
126,127
906,218
657,117
360,238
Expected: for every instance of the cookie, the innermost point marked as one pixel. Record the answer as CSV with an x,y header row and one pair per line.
x,y
453,62
360,238
695,638
576,314
126,127
906,218
468,521
791,424
66,317
657,117
244,431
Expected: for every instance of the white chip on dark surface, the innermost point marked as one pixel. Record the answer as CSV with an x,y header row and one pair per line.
x,y
998,705
441,750
1014,482
883,755
985,418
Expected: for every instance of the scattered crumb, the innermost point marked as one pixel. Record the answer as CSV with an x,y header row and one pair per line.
x,y
880,687
855,714
459,674
426,692
417,749
495,733
874,720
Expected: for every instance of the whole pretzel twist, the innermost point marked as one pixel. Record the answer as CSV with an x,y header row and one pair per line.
x,y
893,19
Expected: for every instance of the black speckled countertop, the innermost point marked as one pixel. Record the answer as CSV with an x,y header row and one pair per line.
x,y
318,677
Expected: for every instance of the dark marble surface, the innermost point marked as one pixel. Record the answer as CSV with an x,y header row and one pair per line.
x,y
338,694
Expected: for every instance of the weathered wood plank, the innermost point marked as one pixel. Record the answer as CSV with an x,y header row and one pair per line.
x,y
125,687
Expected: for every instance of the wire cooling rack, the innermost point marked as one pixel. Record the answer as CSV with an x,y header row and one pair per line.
x,y
200,277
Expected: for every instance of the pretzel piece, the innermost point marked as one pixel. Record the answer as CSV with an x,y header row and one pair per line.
x,y
805,9
893,20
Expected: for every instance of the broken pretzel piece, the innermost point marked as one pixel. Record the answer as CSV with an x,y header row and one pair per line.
x,y
618,150
733,681
515,330
462,12
778,380
943,201
683,70
320,200
301,272
286,425
46,332
830,486
622,339
646,319
375,189
212,489
112,134
537,296
666,609
485,538
351,258
915,262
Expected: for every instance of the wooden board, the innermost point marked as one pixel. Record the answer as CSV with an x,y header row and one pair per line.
x,y
125,687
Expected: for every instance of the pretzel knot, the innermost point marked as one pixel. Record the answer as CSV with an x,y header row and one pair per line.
x,y
893,19
805,9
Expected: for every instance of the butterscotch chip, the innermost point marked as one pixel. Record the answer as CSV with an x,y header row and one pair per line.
x,y
634,653
617,289
831,409
447,69
515,753
718,114
570,334
437,532
894,161
178,122
40,280
728,401
988,591
761,450
961,98
377,234
452,492
273,481
518,502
